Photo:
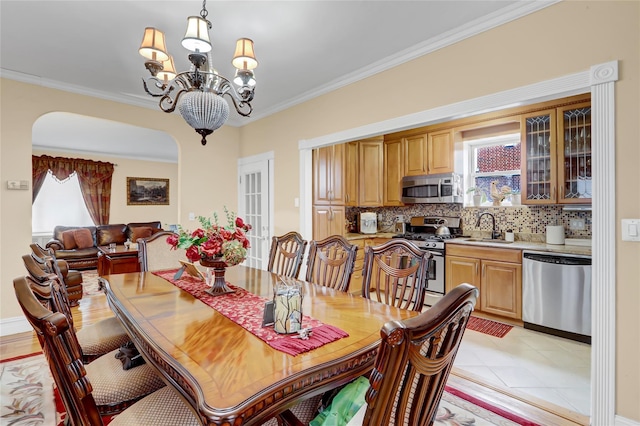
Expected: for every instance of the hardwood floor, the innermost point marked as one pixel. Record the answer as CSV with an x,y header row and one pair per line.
x,y
94,308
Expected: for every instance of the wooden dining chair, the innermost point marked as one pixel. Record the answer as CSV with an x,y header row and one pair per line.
x,y
395,273
80,386
95,339
330,262
155,254
71,278
286,254
413,364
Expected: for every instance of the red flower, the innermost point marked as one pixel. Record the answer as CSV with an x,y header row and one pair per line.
x,y
172,240
192,254
239,222
198,233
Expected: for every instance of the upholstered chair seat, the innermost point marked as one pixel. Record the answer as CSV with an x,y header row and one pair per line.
x,y
101,338
162,408
115,388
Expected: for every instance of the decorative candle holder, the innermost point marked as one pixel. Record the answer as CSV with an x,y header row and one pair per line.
x,y
287,300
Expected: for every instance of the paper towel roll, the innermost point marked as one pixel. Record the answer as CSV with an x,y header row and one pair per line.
x,y
555,234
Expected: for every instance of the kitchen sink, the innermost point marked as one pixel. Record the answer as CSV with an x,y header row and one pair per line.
x,y
487,240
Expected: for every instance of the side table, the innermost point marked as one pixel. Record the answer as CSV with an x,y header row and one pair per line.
x,y
117,261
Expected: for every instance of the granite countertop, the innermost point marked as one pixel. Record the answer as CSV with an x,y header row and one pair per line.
x,y
379,234
570,247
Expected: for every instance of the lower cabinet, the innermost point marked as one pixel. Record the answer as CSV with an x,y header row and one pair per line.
x,y
355,286
497,273
327,221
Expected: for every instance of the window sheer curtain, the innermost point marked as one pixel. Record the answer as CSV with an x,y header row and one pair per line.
x,y
94,178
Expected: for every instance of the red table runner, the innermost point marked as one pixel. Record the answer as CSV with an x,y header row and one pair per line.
x,y
246,309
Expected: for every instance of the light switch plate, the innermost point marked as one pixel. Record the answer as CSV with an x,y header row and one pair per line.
x,y
577,224
630,229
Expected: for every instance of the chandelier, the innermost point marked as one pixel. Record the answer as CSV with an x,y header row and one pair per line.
x,y
198,93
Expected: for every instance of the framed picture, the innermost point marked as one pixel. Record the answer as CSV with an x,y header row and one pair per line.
x,y
147,191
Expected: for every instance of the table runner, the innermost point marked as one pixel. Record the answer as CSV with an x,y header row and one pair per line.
x,y
246,309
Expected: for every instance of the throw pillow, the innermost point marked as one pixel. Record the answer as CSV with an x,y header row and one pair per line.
x,y
141,232
83,238
68,241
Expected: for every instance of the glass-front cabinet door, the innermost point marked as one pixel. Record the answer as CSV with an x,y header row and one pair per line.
x,y
539,180
574,153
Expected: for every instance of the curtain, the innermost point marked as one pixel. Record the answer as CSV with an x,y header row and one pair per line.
x,y
94,178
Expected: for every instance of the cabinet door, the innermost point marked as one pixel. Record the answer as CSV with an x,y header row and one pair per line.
x,y
539,181
336,195
351,174
371,175
463,270
574,154
337,221
501,289
321,222
440,152
322,160
355,286
393,172
415,155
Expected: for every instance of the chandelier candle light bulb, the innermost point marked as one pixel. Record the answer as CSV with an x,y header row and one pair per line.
x,y
198,93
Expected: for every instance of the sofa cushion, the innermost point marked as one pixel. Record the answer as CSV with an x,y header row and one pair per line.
x,y
107,234
156,226
69,240
83,238
140,232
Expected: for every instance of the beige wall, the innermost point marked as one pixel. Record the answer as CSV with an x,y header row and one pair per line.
x,y
563,39
125,167
566,38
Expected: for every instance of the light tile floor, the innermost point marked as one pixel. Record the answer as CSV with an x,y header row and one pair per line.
x,y
547,367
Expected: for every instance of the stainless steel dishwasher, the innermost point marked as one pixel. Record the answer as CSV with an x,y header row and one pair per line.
x,y
556,294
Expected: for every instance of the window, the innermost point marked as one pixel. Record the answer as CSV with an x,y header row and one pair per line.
x,y
59,203
493,159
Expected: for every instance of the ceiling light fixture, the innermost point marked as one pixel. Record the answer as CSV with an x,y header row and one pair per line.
x,y
198,93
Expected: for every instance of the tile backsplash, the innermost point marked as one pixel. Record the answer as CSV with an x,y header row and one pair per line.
x,y
520,219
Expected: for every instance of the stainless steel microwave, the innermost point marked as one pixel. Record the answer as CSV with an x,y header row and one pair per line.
x,y
443,188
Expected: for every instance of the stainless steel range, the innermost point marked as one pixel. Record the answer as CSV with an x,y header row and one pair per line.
x,y
429,233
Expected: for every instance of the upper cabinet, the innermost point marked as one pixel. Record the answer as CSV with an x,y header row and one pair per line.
x,y
394,165
363,172
556,155
440,152
328,183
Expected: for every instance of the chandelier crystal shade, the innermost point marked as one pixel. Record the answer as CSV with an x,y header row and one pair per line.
x,y
198,93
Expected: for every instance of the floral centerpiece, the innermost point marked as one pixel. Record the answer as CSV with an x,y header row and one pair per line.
x,y
214,241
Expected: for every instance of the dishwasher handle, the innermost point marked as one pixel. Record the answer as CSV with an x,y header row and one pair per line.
x,y
559,260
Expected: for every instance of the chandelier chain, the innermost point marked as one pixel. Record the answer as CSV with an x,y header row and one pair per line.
x,y
204,13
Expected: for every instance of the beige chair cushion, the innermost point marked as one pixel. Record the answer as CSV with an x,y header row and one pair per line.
x,y
113,385
305,411
162,408
161,257
102,337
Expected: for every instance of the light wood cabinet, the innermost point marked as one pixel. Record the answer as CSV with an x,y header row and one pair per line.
x,y
497,273
556,155
327,221
393,172
440,152
328,183
415,155
355,286
351,174
371,176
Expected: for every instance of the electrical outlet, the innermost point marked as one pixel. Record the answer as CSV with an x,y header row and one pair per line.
x,y
192,216
576,224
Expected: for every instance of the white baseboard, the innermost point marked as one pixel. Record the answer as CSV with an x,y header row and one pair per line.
x,y
14,325
621,421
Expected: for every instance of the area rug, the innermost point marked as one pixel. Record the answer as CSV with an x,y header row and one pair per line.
x,y
489,327
29,397
90,284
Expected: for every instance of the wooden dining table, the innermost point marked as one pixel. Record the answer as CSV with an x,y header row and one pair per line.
x,y
227,374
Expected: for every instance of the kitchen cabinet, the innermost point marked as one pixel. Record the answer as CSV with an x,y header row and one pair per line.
x,y
328,183
497,273
440,152
328,221
355,286
363,171
393,172
556,155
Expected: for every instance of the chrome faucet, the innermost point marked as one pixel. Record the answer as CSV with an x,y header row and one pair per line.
x,y
494,233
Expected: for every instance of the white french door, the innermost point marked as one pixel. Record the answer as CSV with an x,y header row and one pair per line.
x,y
255,205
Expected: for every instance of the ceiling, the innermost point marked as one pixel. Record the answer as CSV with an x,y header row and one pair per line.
x,y
304,49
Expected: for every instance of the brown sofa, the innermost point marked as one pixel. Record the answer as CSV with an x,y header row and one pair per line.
x,y
79,245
